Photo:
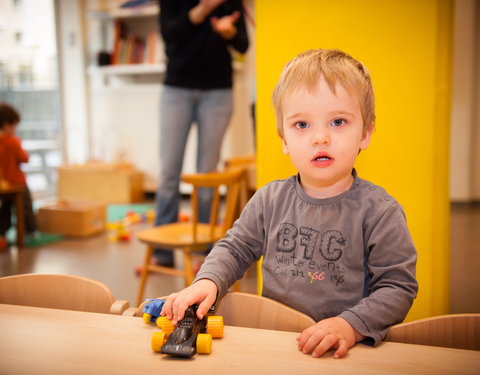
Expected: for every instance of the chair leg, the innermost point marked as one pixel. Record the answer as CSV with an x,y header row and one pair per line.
x,y
144,274
188,268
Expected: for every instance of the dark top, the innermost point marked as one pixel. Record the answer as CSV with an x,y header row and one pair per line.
x,y
198,57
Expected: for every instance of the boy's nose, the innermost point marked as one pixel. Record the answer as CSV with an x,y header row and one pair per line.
x,y
320,136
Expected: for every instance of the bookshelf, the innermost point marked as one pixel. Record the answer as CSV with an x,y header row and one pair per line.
x,y
151,10
129,39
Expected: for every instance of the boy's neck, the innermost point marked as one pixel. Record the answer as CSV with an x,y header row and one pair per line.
x,y
319,190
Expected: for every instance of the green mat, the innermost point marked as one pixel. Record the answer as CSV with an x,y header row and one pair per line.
x,y
39,239
117,212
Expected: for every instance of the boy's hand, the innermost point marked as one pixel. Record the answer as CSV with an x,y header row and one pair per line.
x,y
203,293
328,333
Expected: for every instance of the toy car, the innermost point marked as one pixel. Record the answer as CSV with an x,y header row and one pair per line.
x,y
191,335
152,310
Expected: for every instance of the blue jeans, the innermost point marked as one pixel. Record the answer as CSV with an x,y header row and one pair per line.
x,y
211,110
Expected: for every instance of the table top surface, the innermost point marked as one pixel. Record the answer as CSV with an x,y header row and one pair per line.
x,y
48,341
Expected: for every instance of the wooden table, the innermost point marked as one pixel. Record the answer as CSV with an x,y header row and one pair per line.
x,y
47,341
19,192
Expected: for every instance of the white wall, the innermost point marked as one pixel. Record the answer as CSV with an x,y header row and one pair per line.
x,y
70,44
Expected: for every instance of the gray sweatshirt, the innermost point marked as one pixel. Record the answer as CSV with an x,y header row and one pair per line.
x,y
350,255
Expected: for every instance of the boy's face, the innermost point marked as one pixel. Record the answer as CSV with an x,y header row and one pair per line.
x,y
323,133
9,129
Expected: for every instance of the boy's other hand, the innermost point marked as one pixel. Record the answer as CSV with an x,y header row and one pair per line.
x,y
329,333
203,292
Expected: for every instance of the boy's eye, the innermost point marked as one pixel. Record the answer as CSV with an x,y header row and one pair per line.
x,y
338,122
301,125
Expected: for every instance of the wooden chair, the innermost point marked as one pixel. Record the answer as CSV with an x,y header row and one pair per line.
x,y
461,331
253,311
65,292
249,310
192,236
248,187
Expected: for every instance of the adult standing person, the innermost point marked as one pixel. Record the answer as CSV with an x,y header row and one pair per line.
x,y
197,88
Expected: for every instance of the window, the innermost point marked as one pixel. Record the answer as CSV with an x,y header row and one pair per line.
x,y
29,82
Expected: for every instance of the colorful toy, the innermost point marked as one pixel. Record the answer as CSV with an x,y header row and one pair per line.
x,y
152,310
191,335
118,232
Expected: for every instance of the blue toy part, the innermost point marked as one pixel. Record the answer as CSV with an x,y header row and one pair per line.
x,y
152,310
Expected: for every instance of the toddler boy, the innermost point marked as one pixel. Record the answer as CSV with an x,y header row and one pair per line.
x,y
11,156
335,246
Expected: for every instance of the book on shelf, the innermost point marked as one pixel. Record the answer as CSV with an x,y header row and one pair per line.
x,y
130,48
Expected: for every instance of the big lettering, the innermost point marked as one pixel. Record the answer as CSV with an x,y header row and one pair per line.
x,y
331,244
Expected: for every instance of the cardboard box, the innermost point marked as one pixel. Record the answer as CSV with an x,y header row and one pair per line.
x,y
72,218
110,183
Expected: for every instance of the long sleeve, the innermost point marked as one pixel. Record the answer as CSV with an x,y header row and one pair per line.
x,y
240,41
20,154
390,277
243,245
11,156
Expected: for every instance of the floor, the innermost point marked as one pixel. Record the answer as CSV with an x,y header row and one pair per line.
x,y
114,263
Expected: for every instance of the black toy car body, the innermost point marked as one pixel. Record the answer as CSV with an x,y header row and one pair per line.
x,y
191,334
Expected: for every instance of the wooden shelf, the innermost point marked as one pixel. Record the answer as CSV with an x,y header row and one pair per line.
x,y
127,69
143,11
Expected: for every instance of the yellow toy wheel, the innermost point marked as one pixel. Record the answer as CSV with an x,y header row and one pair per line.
x,y
165,324
146,317
215,326
204,343
158,340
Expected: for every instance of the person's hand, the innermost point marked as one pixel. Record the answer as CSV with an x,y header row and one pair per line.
x,y
203,293
225,26
201,11
326,334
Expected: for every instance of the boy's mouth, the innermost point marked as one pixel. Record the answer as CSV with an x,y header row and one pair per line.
x,y
322,159
322,156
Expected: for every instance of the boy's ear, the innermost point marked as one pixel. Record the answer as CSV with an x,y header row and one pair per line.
x,y
366,138
284,147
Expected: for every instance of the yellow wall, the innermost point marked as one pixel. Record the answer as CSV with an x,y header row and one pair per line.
x,y
406,44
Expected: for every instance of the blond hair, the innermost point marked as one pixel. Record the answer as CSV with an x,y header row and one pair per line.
x,y
335,66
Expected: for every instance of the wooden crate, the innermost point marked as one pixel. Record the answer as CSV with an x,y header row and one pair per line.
x,y
110,183
77,218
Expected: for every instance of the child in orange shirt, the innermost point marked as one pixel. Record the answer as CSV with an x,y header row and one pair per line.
x,y
11,156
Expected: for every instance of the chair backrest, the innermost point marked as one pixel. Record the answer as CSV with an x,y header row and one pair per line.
x,y
232,180
253,311
461,331
66,292
248,186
